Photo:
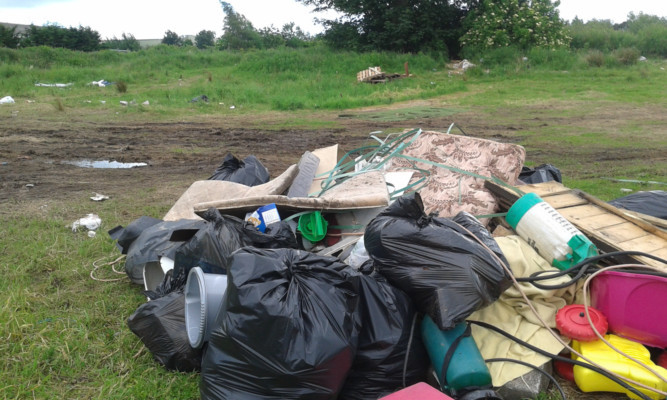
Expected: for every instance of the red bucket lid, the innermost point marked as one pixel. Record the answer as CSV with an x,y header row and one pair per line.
x,y
571,321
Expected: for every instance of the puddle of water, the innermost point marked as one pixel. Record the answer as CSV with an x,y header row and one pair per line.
x,y
104,164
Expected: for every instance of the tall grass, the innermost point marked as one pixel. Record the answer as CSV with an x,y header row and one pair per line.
x,y
277,79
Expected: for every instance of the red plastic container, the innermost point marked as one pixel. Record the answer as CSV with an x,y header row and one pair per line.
x,y
634,305
418,391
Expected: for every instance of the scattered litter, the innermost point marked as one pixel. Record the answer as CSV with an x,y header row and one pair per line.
x,y
87,101
203,98
642,58
99,197
101,83
30,101
465,64
375,75
92,234
103,101
30,185
7,100
58,85
525,59
146,103
4,163
626,190
232,107
123,103
104,164
90,222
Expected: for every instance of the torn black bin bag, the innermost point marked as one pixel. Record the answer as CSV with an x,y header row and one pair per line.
x,y
288,328
249,172
391,354
442,267
212,246
653,203
160,324
125,236
541,173
155,242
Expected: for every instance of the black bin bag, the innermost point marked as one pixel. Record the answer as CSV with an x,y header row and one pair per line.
x,y
160,324
391,354
211,247
249,172
287,328
438,263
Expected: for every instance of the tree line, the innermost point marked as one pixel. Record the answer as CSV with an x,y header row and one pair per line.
x,y
451,28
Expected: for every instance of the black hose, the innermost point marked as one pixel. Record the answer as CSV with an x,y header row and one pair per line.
x,y
601,371
551,378
581,268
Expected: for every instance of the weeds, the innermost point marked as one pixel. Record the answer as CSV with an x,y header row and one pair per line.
x,y
595,58
121,87
59,105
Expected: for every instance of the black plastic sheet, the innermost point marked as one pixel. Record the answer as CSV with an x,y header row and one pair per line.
x,y
653,203
443,268
287,329
249,172
391,354
160,324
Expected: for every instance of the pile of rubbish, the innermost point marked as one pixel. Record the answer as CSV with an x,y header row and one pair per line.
x,y
392,271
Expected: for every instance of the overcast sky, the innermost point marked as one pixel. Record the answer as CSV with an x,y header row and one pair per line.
x,y
150,19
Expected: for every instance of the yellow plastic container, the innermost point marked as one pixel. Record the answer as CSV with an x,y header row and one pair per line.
x,y
597,351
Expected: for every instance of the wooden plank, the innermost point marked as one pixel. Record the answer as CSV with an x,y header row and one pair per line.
x,y
585,213
622,232
637,221
647,244
544,189
570,199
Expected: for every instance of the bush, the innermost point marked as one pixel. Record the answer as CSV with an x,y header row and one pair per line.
x,y
627,56
595,58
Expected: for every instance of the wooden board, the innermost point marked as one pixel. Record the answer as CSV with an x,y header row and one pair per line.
x,y
608,227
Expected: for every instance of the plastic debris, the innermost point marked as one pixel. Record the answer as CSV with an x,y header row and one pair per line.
x,y
123,103
146,103
90,222
7,100
58,85
101,83
203,98
99,197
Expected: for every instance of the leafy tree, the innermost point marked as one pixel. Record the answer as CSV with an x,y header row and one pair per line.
x,y
205,39
9,37
395,25
238,31
520,23
81,38
172,39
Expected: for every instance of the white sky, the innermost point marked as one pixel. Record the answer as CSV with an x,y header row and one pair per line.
x,y
150,19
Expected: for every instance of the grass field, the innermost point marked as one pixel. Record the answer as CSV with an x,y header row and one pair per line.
x,y
64,335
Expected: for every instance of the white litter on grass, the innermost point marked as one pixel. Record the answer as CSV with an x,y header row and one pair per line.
x,y
146,103
642,58
624,190
7,100
58,85
232,107
99,197
123,103
90,222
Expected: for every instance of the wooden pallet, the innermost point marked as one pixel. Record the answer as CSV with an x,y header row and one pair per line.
x,y
608,227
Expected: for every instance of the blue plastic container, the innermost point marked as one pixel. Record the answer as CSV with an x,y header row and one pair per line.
x,y
466,368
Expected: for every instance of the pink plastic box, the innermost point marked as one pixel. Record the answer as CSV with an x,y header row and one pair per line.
x,y
418,391
634,305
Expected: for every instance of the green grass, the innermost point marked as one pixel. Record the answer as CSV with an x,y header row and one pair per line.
x,y
64,335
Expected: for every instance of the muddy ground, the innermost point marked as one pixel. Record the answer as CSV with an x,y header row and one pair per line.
x,y
34,152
